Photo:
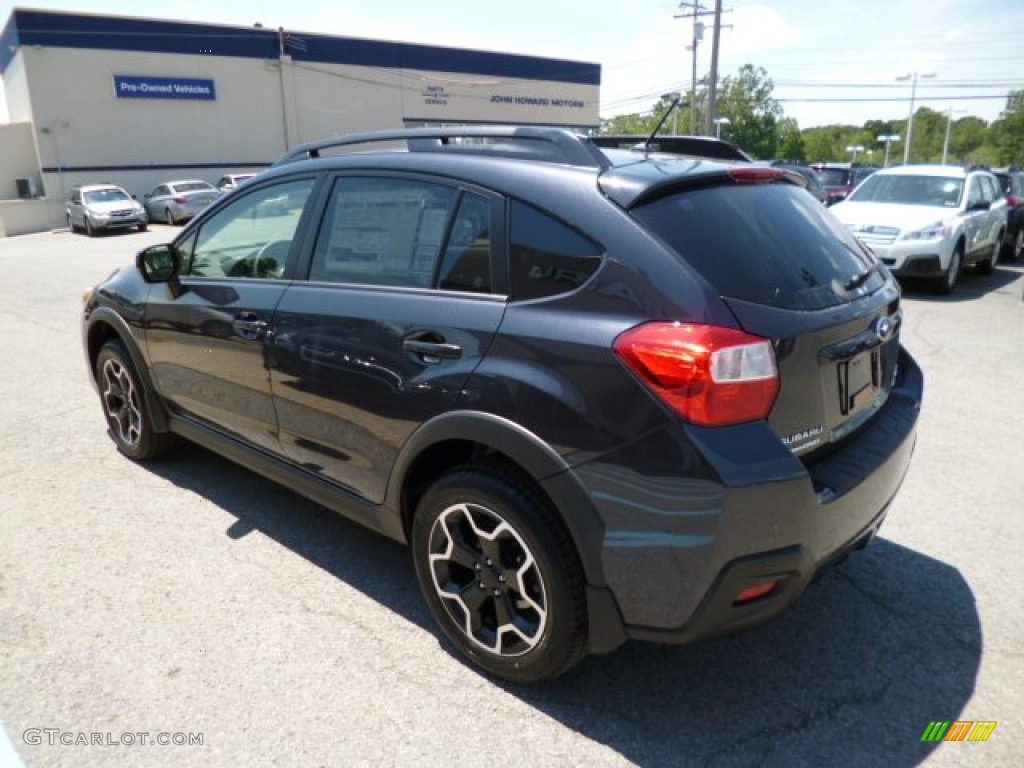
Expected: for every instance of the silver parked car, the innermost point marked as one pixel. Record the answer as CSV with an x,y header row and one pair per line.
x,y
175,202
96,208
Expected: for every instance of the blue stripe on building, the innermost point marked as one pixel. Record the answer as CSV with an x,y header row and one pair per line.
x,y
64,30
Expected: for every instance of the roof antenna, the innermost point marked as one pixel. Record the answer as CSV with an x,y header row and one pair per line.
x,y
675,104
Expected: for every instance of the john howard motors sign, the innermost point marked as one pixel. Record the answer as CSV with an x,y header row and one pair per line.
x,y
146,87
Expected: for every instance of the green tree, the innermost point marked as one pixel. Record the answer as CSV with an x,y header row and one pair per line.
x,y
966,138
1007,133
644,123
746,100
790,140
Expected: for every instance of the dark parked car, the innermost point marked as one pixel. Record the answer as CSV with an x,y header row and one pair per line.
x,y
810,176
1012,183
840,179
600,395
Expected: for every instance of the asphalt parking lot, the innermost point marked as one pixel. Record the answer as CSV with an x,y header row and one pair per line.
x,y
193,597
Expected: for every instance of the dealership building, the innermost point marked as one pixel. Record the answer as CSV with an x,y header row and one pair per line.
x,y
138,102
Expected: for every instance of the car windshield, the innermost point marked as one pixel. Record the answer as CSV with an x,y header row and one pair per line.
x,y
193,186
105,196
907,189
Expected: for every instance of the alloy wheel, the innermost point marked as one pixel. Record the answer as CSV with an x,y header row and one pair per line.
x,y
488,580
120,402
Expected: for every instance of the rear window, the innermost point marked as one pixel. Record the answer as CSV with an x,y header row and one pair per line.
x,y
833,177
769,244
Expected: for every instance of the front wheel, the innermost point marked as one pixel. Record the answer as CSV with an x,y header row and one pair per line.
x,y
169,216
500,574
121,394
89,230
947,282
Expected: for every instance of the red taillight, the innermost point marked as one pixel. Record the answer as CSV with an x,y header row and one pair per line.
x,y
1012,200
755,174
180,200
709,375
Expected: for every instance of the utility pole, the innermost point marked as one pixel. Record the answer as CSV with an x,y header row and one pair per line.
x,y
713,84
695,10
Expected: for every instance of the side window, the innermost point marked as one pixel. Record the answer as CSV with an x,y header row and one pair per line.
x,y
467,258
992,192
253,236
974,193
382,231
547,256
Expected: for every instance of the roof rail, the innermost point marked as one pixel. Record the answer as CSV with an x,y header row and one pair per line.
x,y
548,144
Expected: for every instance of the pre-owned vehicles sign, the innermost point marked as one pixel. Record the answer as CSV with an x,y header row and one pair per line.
x,y
149,87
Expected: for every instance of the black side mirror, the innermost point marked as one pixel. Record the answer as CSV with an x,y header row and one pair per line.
x,y
157,263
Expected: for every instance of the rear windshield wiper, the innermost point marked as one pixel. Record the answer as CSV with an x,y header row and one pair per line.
x,y
859,279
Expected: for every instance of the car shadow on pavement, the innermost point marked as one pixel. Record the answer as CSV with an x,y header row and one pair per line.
x,y
970,287
874,651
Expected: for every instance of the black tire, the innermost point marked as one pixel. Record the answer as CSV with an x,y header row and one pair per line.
x,y
988,266
88,227
488,546
169,216
71,225
122,398
1016,249
947,282
143,226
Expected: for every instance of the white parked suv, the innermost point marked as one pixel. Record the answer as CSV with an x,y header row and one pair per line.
x,y
928,220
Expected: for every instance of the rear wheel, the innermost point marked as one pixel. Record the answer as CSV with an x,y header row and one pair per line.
x,y
947,282
988,266
1016,249
122,394
500,574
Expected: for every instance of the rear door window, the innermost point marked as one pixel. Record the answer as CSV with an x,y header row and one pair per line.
x,y
767,244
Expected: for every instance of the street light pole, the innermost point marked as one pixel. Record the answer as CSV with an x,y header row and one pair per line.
x,y
913,78
887,139
854,150
719,122
949,125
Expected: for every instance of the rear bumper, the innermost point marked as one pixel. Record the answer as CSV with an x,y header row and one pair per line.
x,y
678,550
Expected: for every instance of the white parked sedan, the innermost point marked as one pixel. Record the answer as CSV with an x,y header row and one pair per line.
x,y
175,202
928,220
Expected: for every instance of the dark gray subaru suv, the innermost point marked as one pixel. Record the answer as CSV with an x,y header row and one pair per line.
x,y
602,394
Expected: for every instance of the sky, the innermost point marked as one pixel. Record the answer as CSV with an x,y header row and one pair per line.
x,y
831,62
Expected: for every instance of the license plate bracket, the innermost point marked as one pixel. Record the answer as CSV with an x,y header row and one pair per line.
x,y
858,379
